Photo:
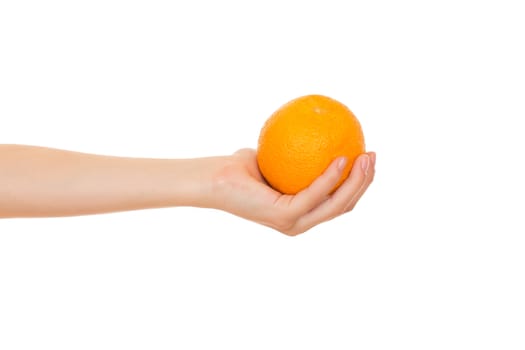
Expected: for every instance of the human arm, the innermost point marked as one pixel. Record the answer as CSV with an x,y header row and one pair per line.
x,y
41,182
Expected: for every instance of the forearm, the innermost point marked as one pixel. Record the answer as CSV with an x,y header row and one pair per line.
x,y
37,182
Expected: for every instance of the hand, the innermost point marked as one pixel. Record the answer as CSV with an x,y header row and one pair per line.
x,y
243,191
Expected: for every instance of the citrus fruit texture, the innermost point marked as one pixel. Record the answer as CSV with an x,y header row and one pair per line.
x,y
300,140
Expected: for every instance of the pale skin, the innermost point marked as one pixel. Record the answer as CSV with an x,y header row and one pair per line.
x,y
46,182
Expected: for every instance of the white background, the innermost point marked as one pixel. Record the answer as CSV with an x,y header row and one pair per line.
x,y
431,258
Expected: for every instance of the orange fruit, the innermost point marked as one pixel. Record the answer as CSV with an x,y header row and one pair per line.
x,y
300,140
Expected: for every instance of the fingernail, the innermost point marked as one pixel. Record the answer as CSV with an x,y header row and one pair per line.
x,y
365,162
341,163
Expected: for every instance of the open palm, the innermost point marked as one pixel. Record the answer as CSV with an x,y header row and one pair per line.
x,y
245,193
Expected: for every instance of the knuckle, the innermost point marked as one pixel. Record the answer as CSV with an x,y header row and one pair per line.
x,y
292,232
349,208
283,222
245,151
287,225
333,176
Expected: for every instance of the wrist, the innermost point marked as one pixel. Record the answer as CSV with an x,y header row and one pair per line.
x,y
196,182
